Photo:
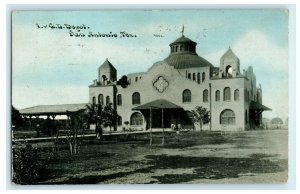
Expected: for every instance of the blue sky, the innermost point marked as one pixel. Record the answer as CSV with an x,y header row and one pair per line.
x,y
50,67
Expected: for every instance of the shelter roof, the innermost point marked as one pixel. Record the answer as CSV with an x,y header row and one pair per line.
x,y
60,109
158,104
258,106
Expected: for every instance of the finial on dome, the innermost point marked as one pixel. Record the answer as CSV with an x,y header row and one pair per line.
x,y
182,31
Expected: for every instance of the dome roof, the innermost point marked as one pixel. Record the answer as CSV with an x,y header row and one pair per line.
x,y
186,60
183,39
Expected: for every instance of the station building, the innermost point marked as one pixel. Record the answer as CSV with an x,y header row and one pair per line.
x,y
165,95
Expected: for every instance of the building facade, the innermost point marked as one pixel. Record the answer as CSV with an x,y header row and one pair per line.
x,y
164,96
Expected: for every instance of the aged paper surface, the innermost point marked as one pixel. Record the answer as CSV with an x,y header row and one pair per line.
x,y
139,97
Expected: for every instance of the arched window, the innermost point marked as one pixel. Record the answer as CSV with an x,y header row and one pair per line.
x,y
218,95
186,96
227,117
236,95
136,98
176,48
246,117
205,96
203,77
119,120
119,99
226,94
189,75
107,99
136,119
198,78
186,47
181,48
94,100
194,76
100,99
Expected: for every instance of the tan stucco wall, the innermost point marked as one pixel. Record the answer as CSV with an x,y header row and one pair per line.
x,y
177,84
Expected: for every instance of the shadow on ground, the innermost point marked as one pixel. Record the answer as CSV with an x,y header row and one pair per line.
x,y
204,168
215,167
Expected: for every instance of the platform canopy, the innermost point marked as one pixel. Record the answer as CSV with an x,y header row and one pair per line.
x,y
258,106
62,109
158,104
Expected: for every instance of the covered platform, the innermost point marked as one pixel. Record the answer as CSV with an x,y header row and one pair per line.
x,y
46,114
256,110
62,109
162,113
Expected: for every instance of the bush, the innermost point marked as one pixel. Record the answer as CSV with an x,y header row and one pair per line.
x,y
27,164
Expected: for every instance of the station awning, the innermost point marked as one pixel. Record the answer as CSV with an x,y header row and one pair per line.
x,y
158,104
258,106
61,109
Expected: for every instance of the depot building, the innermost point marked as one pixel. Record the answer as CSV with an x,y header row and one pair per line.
x,y
165,95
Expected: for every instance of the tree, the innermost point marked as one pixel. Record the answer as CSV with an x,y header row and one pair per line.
x,y
123,81
94,115
109,116
77,122
200,116
16,118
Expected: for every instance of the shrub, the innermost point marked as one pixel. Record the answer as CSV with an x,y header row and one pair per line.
x,y
27,164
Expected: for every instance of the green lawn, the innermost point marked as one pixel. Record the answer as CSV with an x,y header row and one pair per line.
x,y
192,157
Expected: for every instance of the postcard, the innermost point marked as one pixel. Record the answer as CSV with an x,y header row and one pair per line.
x,y
150,97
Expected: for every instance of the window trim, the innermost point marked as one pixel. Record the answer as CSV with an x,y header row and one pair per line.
x,y
205,94
227,118
100,99
224,94
186,98
219,97
107,100
134,101
236,95
119,100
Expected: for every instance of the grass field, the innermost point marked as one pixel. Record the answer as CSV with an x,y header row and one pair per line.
x,y
193,157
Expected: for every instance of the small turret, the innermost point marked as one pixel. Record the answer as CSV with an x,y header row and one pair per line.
x,y
229,64
107,73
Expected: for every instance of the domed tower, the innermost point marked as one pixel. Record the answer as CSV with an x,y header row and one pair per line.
x,y
229,64
107,73
183,54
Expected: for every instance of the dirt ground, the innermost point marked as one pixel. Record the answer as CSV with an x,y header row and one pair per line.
x,y
248,157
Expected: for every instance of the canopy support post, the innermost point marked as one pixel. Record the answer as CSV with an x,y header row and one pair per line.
x,y
150,126
162,122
